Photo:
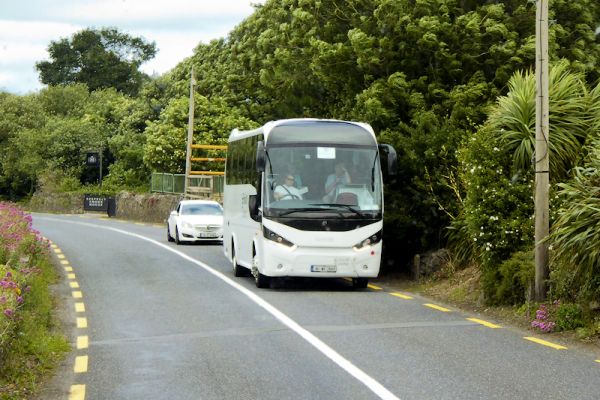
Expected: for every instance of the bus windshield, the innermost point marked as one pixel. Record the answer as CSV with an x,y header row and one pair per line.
x,y
313,180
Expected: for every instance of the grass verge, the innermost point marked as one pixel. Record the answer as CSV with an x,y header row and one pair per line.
x,y
31,343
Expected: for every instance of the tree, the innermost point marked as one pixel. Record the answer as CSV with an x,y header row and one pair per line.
x,y
102,58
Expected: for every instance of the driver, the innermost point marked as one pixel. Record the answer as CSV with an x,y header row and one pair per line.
x,y
288,190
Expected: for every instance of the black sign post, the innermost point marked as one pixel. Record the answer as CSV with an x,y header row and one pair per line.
x,y
94,159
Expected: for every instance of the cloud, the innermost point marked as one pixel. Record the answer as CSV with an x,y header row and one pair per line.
x,y
176,26
144,10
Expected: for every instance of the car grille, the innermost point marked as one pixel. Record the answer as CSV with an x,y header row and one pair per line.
x,y
208,228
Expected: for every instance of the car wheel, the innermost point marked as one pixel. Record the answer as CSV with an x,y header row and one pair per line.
x,y
177,241
169,237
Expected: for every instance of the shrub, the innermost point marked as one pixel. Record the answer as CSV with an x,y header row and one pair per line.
x,y
575,237
517,276
28,345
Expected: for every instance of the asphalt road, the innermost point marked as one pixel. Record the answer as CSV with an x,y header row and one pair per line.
x,y
163,321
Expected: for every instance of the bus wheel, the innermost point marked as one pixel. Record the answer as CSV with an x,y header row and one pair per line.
x,y
359,283
262,281
238,270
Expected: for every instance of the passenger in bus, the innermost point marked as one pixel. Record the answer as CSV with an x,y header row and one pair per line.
x,y
287,190
338,178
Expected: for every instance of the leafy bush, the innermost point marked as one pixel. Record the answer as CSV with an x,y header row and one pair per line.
x,y
517,276
28,344
498,207
568,317
497,173
575,237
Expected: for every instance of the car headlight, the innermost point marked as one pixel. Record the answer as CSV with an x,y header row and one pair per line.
x,y
187,225
269,234
371,240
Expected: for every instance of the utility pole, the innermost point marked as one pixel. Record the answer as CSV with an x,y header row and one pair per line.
x,y
188,153
541,157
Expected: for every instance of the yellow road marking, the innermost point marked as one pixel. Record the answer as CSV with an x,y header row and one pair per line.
x,y
57,250
68,269
82,342
402,296
61,256
545,343
139,223
64,262
79,307
77,392
54,246
81,364
71,276
370,286
77,295
598,361
74,285
484,323
82,322
436,307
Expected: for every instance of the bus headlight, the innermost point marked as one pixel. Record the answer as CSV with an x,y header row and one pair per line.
x,y
269,234
371,240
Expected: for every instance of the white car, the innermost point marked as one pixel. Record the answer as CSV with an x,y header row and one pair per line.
x,y
195,220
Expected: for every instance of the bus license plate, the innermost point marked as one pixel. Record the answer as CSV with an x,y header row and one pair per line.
x,y
323,268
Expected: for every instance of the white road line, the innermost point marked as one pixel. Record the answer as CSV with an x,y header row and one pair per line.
x,y
330,353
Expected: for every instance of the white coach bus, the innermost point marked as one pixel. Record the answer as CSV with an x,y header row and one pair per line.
x,y
304,198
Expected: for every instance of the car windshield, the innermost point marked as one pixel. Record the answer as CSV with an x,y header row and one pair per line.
x,y
343,181
201,209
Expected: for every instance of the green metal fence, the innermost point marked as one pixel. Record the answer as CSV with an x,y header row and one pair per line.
x,y
167,183
175,183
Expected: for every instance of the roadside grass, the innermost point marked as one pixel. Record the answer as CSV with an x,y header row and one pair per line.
x,y
31,343
461,288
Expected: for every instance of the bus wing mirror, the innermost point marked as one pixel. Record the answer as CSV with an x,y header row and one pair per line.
x,y
253,205
388,159
261,158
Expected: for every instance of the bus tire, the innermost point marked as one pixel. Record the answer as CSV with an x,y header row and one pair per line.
x,y
360,283
238,270
262,281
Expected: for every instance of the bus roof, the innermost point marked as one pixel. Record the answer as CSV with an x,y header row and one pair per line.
x,y
294,130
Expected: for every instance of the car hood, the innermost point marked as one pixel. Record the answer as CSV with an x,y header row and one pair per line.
x,y
202,219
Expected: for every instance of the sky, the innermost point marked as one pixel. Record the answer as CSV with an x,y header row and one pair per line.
x,y
176,26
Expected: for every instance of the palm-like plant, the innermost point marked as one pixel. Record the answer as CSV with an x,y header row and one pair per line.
x,y
570,119
575,235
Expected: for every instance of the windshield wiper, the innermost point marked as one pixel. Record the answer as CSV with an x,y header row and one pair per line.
x,y
338,205
300,209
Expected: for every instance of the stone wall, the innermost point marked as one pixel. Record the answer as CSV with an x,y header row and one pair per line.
x,y
148,207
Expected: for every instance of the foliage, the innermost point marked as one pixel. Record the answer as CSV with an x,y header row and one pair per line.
x,y
165,147
575,237
514,118
517,276
497,170
558,317
28,343
498,206
100,58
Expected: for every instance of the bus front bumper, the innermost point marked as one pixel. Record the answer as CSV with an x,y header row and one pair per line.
x,y
280,260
